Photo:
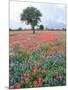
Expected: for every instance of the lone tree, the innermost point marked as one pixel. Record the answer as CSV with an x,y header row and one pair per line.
x,y
31,16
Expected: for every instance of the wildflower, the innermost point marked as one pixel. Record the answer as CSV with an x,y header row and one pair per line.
x,y
12,81
40,80
35,83
44,71
26,77
35,71
17,85
26,80
34,65
58,76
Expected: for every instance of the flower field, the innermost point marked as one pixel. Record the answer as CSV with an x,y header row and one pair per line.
x,y
37,60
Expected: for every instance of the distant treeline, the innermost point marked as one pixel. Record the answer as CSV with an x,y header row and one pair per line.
x,y
47,29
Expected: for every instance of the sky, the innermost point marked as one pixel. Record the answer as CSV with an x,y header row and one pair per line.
x,y
53,15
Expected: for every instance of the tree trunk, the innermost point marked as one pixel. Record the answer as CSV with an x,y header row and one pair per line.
x,y
33,30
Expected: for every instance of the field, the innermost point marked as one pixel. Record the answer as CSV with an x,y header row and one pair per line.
x,y
37,60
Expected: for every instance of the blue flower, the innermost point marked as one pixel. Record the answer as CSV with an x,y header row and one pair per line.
x,y
12,81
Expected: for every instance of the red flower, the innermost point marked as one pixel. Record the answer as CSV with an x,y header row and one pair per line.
x,y
40,80
35,71
36,83
17,85
26,80
58,76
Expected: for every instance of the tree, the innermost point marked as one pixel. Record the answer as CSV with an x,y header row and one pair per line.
x,y
41,27
31,16
19,28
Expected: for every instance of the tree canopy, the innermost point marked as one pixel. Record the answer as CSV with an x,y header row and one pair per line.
x,y
31,15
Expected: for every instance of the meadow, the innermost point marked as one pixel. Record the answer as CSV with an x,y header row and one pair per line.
x,y
37,60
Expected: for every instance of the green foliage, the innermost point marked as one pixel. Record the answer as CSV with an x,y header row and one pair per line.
x,y
45,47
35,66
31,16
22,57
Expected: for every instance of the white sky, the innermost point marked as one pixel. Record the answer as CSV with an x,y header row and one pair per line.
x,y
52,14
